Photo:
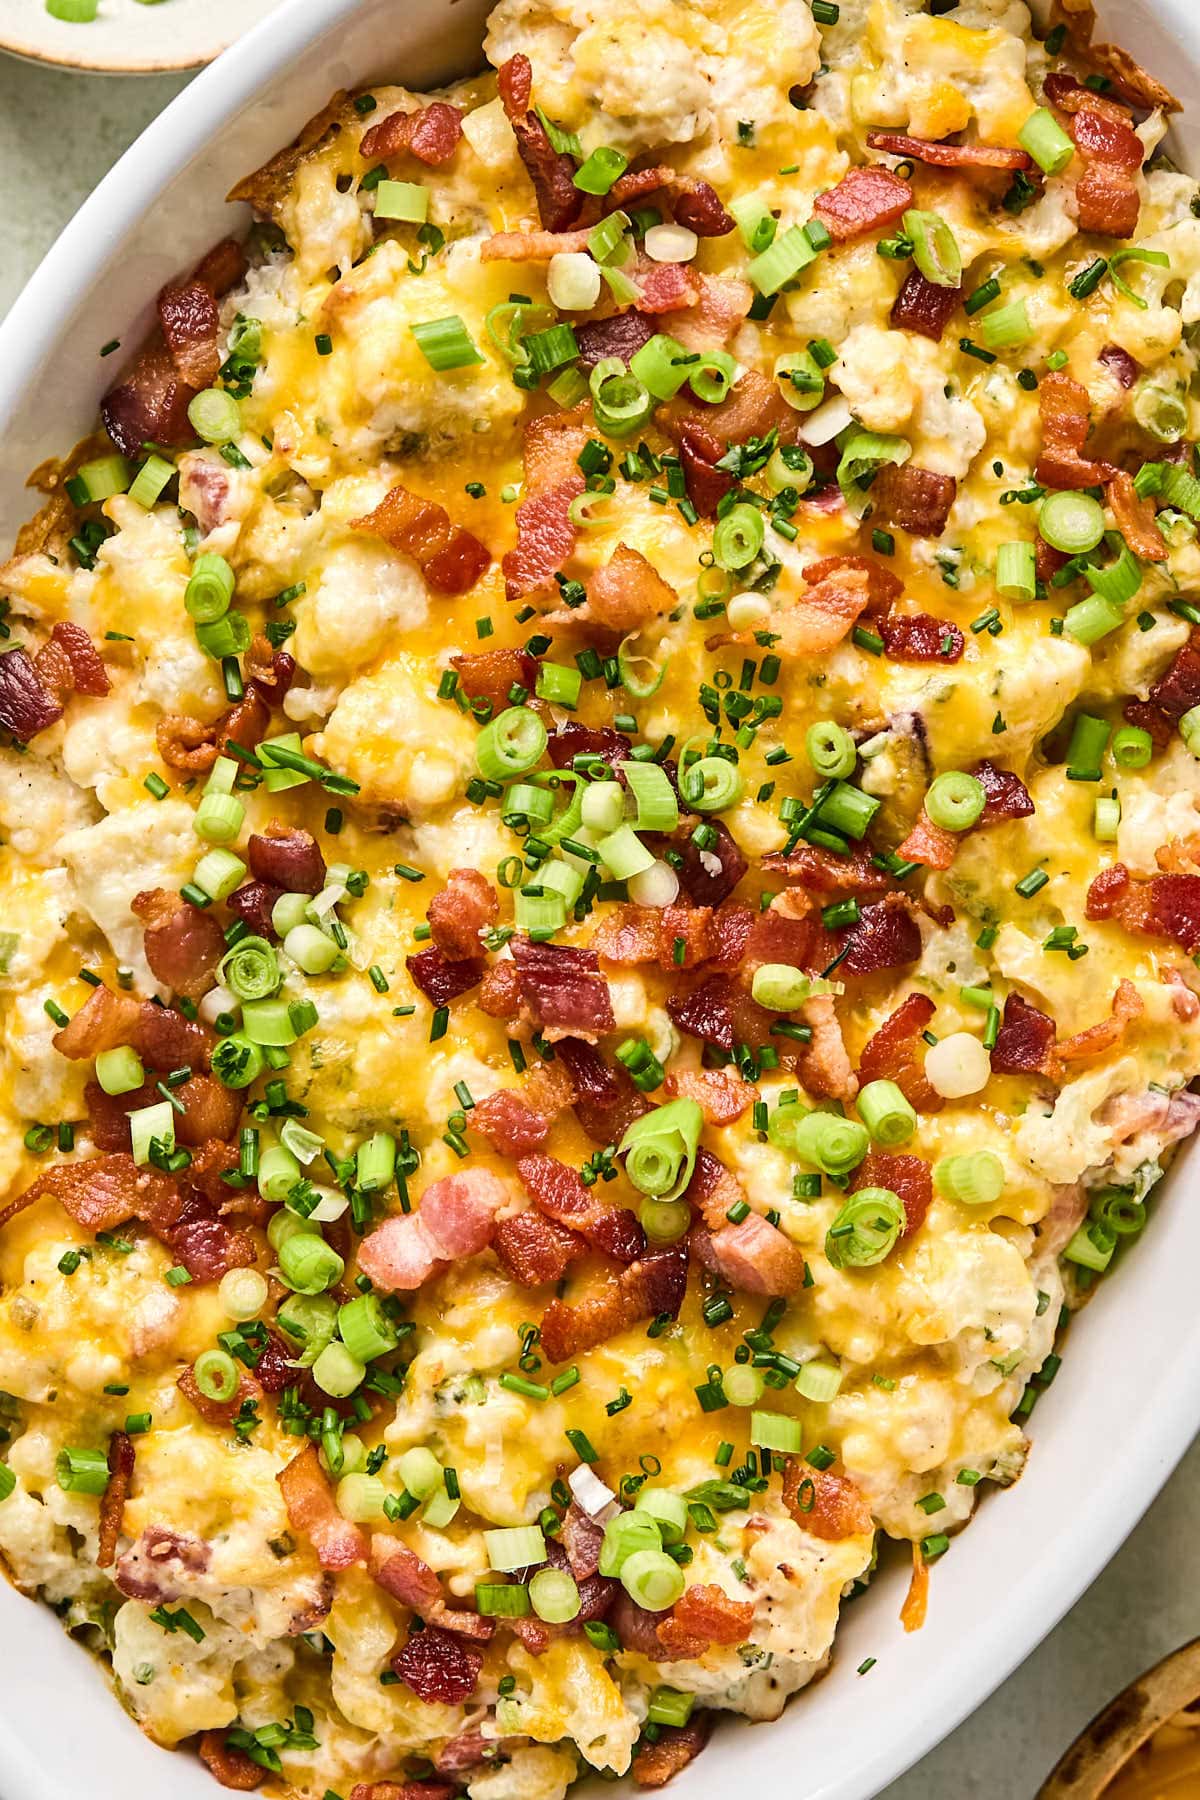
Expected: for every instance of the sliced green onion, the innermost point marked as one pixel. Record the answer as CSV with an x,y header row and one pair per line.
x,y
148,1124
819,1381
1134,253
803,379
1072,523
603,806
619,400
375,1163
236,1061
1189,729
360,1497
955,800
243,1293
1016,571
865,1229
863,454
227,636
407,201
365,1328
976,1179
832,1144
780,987
668,1510
743,1385
209,589
1006,327
215,416
219,818
419,1469
514,1547
662,366
559,684
268,1022
1089,739
150,480
831,750
1092,619
624,854
1106,819
664,1221
935,247
445,343
1160,411
554,1596
99,480
216,1375
885,1112
754,221
1046,141
652,1579
738,537
1120,581
660,1149
1092,1247
781,261
510,744
657,807
627,1534
336,1372
120,1071
308,1264
711,785
608,237
776,1431
81,1471
1131,747
712,377
601,169
849,810
640,675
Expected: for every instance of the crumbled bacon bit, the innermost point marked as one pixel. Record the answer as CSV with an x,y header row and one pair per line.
x,y
1025,1043
708,877
406,1790
719,1012
1120,365
643,934
508,1124
947,156
864,200
919,637
441,980
1135,519
25,706
190,322
552,172
149,405
404,1575
924,306
672,1750
928,844
431,134
183,943
913,499
750,409
492,675
231,1767
824,1502
69,663
606,1102
291,860
721,1094
466,906
664,287
573,739
622,335
627,592
450,558
753,1256
311,1510
1005,794
819,871
646,1289
563,987
703,1616
558,1191
695,203
894,1053
534,1249
908,1177
1165,906
221,1413
1096,1039
712,1190
210,1111
437,1666
545,532
707,485
116,1492
254,903
1066,420
886,937
1106,194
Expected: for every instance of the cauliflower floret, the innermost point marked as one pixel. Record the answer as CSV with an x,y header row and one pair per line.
x,y
535,1772
894,382
405,748
568,1690
143,846
361,596
38,806
933,76
172,1685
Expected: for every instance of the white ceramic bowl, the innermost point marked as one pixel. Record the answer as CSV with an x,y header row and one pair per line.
x,y
1126,1405
129,37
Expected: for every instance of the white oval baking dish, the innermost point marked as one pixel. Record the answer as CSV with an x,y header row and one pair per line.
x,y
1126,1404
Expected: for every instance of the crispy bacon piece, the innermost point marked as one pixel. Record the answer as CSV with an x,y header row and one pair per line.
x,y
183,943
149,405
69,663
406,1790
721,1094
1173,694
719,1012
405,1576
573,739
947,156
913,499
1135,519
206,1246
253,903
824,1502
449,557
437,1666
672,1750
700,452
644,934
919,637
441,980
116,1492
291,860
924,306
814,621
1119,363
531,246
908,1177
499,995
627,592
272,671
553,478
645,1290
1165,906
25,706
312,1512
622,335
492,675
552,172
606,1102
467,905
705,1615
823,1064
431,134
1025,1043
231,1767
1063,403
752,406
559,1192
664,287
210,1111
694,203
894,1053
712,1190
1126,1007
883,585
517,1120
162,1037
457,1217
820,871
563,987
534,1249
929,844
864,200
1106,194
886,937
1006,796
98,1192
753,1256
708,877
221,1413
190,322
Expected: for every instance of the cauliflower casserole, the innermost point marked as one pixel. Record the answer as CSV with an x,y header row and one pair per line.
x,y
599,880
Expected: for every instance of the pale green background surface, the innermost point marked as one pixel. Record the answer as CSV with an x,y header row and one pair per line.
x,y
58,134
